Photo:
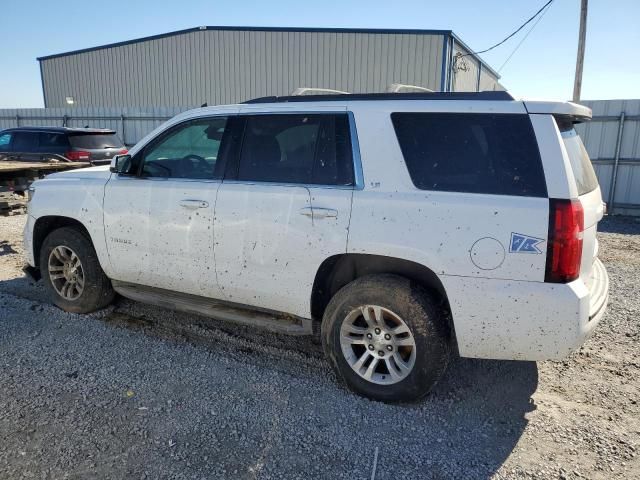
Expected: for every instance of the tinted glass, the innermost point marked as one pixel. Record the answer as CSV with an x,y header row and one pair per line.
x,y
189,151
474,153
95,141
583,171
25,141
5,140
296,148
52,140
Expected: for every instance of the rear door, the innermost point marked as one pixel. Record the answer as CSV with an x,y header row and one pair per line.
x,y
52,145
283,208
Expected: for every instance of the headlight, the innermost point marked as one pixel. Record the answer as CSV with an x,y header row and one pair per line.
x,y
31,191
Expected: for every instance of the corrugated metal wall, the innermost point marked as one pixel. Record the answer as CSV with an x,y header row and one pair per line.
x,y
465,73
223,66
465,70
600,137
131,123
489,82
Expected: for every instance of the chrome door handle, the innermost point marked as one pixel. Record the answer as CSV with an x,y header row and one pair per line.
x,y
307,212
315,212
193,204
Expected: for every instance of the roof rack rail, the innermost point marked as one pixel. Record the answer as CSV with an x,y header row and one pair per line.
x,y
488,95
403,88
316,91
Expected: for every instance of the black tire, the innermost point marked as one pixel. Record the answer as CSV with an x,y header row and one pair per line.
x,y
419,311
97,292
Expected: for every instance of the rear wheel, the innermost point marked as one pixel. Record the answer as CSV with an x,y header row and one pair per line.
x,y
384,337
71,272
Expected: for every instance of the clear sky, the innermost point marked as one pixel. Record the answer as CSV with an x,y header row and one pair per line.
x,y
543,67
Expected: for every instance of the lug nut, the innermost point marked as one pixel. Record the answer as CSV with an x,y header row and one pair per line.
x,y
377,331
369,335
389,347
387,336
370,347
381,353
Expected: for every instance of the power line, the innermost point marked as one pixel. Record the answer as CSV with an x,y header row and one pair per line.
x,y
524,38
514,32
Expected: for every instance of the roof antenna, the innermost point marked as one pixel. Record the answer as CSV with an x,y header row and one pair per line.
x,y
204,105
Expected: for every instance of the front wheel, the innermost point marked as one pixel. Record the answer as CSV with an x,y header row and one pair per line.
x,y
385,338
71,272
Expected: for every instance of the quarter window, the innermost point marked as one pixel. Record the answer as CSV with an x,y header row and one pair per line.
x,y
188,151
297,148
474,153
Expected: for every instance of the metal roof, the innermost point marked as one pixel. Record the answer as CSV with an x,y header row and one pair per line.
x,y
254,29
397,31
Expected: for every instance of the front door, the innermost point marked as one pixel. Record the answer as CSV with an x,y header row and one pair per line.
x,y
159,222
283,208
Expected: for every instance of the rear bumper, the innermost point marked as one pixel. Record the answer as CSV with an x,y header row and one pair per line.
x,y
512,320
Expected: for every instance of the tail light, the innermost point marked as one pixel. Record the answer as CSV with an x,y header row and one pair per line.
x,y
124,151
78,155
564,251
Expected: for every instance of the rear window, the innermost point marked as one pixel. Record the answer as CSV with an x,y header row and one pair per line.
x,y
95,141
473,153
585,175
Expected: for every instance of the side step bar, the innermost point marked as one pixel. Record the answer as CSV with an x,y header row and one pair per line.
x,y
274,322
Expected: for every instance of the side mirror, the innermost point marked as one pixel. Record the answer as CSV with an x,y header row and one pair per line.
x,y
121,164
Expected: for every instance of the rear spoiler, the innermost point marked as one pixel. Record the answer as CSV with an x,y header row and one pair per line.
x,y
577,113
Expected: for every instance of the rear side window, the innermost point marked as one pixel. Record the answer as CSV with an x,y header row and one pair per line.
x,y
293,148
472,153
53,140
95,141
583,171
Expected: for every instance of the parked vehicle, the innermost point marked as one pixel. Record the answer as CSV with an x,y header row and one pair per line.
x,y
37,144
399,226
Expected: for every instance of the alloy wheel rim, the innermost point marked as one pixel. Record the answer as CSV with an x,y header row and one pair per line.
x,y
377,344
66,272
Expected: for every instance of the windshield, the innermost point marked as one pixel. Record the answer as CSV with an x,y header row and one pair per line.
x,y
95,141
583,171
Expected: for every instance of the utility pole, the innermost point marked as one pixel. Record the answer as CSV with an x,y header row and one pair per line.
x,y
577,84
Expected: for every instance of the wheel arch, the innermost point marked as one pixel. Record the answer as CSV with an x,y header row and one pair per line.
x,y
339,270
46,224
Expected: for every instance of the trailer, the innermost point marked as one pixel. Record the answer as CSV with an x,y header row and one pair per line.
x,y
15,178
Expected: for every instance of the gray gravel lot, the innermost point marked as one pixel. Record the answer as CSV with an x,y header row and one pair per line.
x,y
136,391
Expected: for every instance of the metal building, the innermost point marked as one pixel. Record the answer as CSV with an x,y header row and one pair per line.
x,y
221,65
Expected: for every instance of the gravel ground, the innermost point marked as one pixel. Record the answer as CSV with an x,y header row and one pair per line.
x,y
140,392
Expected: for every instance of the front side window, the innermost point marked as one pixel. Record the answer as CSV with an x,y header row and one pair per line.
x,y
5,140
297,148
188,151
472,153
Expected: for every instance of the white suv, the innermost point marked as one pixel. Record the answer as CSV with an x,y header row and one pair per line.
x,y
399,226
